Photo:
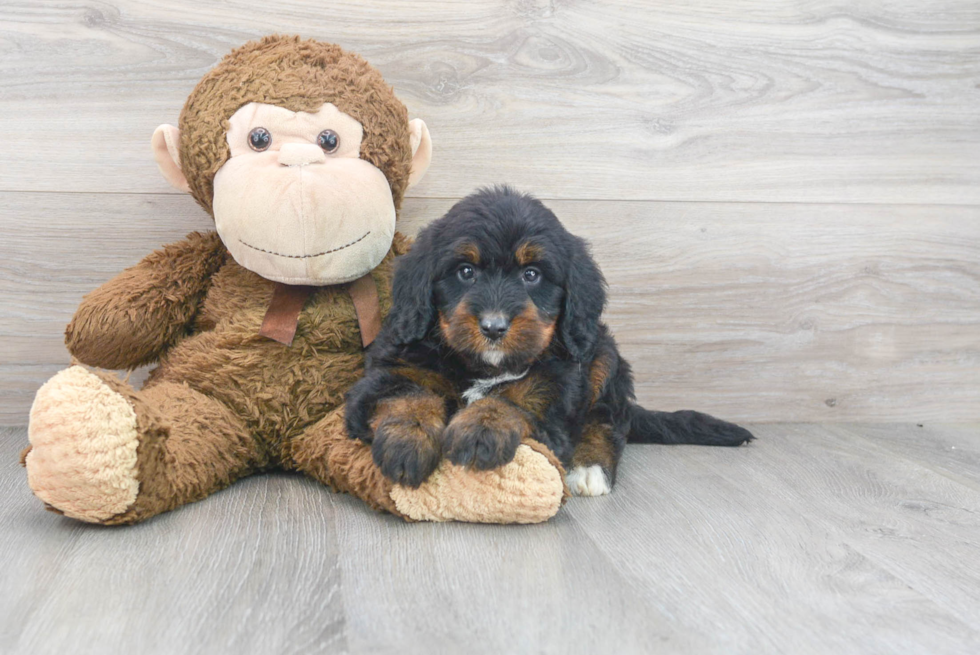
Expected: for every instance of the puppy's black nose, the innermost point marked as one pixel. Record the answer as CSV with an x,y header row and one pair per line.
x,y
494,326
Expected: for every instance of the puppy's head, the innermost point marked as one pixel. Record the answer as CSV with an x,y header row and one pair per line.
x,y
497,279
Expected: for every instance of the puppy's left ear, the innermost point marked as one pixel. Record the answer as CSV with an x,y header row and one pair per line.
x,y
585,298
412,305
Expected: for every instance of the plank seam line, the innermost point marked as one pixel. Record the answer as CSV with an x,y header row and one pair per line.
x,y
558,199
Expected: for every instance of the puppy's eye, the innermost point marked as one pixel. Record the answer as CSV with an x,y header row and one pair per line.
x,y
466,273
328,140
259,139
531,275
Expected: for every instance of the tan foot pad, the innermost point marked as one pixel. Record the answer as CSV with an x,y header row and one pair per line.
x,y
527,490
84,438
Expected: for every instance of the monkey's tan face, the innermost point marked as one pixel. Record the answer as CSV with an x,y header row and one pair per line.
x,y
295,203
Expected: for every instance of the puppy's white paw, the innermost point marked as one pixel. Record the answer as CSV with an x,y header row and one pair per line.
x,y
588,481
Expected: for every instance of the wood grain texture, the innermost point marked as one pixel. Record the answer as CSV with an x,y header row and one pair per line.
x,y
788,309
738,555
523,589
188,583
813,539
952,451
919,526
730,101
758,312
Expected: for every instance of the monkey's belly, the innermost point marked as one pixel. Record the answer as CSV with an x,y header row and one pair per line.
x,y
277,390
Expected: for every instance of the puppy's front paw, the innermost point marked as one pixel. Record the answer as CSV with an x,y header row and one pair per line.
x,y
588,481
485,434
405,453
406,443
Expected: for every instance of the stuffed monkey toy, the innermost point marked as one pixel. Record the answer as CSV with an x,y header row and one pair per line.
x,y
302,154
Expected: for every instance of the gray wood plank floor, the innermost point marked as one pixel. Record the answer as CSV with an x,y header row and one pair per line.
x,y
814,539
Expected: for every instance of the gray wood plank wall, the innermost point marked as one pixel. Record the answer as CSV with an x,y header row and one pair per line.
x,y
785,196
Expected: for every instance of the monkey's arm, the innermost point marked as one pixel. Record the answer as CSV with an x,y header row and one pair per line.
x,y
134,317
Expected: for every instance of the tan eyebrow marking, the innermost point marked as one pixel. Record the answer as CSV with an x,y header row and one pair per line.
x,y
470,252
528,252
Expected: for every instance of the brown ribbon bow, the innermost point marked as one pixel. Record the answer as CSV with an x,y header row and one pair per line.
x,y
288,300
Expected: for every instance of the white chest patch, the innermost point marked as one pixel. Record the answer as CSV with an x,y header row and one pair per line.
x,y
480,388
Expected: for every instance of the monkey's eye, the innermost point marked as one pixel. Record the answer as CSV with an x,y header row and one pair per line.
x,y
328,140
531,275
466,273
259,139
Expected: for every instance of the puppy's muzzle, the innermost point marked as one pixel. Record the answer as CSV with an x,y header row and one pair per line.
x,y
494,326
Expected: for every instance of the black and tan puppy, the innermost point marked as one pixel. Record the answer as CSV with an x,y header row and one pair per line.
x,y
494,335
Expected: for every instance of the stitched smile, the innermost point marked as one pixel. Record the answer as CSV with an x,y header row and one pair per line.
x,y
325,252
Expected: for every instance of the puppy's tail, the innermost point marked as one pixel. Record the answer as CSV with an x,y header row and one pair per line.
x,y
684,427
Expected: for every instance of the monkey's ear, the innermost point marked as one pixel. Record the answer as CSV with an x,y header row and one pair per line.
x,y
412,306
421,150
166,151
585,298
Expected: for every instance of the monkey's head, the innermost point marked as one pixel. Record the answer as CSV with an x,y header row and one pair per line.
x,y
302,153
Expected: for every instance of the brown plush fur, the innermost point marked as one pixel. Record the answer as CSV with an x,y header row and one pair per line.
x,y
344,464
299,76
191,446
223,401
131,319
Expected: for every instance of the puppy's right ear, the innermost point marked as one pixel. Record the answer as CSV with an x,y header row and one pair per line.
x,y
585,298
412,305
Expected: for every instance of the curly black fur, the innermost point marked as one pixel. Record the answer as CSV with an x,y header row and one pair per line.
x,y
466,309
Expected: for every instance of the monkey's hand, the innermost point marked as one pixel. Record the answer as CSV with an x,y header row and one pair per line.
x,y
134,317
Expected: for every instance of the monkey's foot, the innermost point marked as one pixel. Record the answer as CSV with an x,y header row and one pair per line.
x,y
84,436
528,489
